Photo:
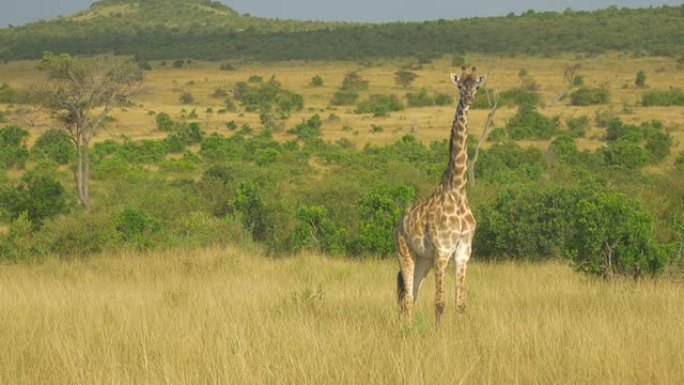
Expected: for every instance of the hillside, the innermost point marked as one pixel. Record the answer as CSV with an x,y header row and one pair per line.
x,y
202,29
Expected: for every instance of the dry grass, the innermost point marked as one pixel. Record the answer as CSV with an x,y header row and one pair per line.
x,y
222,316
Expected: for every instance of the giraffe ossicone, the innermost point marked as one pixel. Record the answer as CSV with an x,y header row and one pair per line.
x,y
442,225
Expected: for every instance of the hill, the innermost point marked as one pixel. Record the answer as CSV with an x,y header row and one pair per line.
x,y
202,29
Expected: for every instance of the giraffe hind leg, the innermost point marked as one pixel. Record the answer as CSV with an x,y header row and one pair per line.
x,y
405,278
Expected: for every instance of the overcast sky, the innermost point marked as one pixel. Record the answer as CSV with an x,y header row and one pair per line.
x,y
18,12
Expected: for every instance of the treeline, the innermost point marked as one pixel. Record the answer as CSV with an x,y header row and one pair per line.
x,y
200,34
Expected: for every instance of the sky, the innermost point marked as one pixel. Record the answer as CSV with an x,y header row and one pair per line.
x,y
17,12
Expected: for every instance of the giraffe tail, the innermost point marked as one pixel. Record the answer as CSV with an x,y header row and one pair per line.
x,y
401,287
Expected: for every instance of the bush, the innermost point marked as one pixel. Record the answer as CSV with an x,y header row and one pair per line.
x,y
317,81
379,213
186,98
314,231
7,94
625,153
55,145
309,129
589,96
419,99
519,97
344,98
354,82
135,226
39,195
530,225
614,236
264,96
640,80
164,122
578,126
663,98
248,205
530,124
13,152
198,228
19,244
380,105
80,234
509,163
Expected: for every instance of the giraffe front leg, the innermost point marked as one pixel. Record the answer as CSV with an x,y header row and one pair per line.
x,y
461,266
462,256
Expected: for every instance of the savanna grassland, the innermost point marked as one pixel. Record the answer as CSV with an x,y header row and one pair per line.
x,y
164,85
164,307
226,316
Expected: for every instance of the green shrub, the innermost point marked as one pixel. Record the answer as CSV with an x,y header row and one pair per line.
x,y
39,195
663,98
164,122
530,124
509,163
315,231
354,82
13,151
308,130
248,205
443,99
198,228
614,236
679,161
380,105
586,96
55,145
625,153
7,94
578,126
317,81
80,234
618,130
519,96
264,96
419,99
528,225
379,213
344,98
640,80
135,226
19,244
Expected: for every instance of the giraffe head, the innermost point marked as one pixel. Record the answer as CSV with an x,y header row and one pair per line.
x,y
468,84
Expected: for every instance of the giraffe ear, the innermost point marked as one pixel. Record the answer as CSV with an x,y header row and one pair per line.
x,y
455,78
482,79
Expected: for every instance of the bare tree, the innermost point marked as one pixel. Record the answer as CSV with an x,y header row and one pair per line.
x,y
83,92
569,74
493,101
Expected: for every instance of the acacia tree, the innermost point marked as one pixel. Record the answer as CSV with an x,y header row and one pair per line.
x,y
404,78
83,92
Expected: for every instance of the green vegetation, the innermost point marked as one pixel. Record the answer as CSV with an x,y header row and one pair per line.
x,y
663,98
528,123
586,96
255,189
202,29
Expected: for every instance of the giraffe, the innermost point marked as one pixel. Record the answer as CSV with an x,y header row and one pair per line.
x,y
442,225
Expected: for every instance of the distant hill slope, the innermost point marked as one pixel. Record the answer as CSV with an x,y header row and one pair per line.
x,y
202,29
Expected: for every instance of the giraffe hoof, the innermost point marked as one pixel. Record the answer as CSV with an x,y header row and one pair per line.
x,y
460,308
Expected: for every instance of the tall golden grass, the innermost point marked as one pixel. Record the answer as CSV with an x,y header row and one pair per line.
x,y
226,316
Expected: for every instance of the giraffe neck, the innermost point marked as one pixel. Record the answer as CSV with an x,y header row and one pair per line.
x,y
455,176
